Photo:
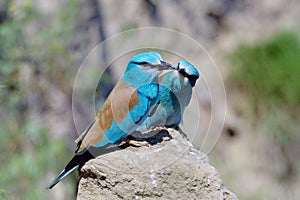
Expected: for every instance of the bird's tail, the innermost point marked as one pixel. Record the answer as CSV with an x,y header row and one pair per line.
x,y
71,166
60,176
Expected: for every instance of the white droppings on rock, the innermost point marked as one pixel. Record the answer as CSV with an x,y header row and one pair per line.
x,y
162,173
153,178
208,182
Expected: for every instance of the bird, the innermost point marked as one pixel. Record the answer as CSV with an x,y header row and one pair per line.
x,y
151,93
175,91
127,106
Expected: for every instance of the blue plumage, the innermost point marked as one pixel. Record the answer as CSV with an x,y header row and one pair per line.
x,y
151,92
175,91
128,105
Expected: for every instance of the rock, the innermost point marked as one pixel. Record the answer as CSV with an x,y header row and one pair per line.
x,y
171,169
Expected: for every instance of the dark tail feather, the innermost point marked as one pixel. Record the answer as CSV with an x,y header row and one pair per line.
x,y
62,175
71,166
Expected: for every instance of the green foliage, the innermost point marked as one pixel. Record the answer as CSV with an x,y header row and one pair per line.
x,y
25,165
270,71
28,151
267,73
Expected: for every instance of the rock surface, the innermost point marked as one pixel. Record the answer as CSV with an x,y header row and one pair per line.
x,y
167,170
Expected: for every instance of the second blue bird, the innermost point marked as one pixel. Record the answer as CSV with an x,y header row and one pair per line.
x,y
175,92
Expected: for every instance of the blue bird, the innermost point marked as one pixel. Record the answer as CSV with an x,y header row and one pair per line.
x,y
175,91
127,106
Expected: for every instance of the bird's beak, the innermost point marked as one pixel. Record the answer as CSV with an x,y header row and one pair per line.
x,y
168,65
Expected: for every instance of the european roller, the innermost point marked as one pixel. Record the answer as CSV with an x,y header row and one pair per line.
x,y
175,91
127,106
151,93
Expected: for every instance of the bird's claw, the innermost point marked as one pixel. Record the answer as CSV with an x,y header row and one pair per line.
x,y
166,138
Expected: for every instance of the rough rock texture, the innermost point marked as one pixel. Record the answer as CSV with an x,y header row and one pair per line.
x,y
167,170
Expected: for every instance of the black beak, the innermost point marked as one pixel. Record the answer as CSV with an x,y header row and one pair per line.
x,y
167,65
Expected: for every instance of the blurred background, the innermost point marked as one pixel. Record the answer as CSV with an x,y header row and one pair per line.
x,y
255,44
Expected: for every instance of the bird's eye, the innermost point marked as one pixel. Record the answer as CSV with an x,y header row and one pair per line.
x,y
140,63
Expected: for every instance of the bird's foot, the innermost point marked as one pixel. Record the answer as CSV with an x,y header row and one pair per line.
x,y
167,138
138,143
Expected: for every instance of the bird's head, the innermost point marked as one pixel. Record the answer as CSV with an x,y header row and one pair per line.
x,y
188,71
149,60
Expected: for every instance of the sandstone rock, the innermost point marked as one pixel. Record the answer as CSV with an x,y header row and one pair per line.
x,y
171,169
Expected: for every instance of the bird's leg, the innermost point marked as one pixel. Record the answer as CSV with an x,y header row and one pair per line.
x,y
132,140
166,138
